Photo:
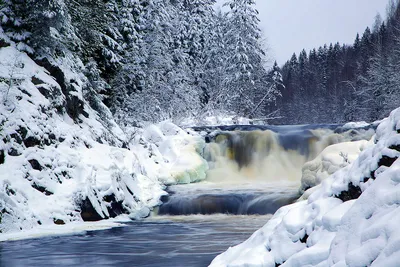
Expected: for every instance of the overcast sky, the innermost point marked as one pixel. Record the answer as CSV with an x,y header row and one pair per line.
x,y
291,25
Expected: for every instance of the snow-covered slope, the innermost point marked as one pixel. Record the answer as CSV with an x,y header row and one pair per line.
x,y
351,220
62,161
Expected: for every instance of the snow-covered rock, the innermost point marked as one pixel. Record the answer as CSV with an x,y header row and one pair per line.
x,y
330,160
349,220
175,152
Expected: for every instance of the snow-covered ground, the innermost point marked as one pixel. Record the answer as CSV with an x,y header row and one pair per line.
x,y
67,229
351,219
62,162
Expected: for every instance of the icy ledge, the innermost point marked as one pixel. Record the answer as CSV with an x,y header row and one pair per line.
x,y
350,220
67,229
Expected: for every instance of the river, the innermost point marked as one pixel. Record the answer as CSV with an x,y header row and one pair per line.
x,y
160,240
252,173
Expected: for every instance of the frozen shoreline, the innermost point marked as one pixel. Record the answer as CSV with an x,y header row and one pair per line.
x,y
67,229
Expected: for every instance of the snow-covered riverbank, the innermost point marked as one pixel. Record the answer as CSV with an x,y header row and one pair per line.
x,y
59,165
350,220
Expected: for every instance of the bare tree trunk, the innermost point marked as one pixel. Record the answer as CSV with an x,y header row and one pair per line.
x,y
259,104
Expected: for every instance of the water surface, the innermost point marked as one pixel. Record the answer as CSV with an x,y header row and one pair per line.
x,y
160,241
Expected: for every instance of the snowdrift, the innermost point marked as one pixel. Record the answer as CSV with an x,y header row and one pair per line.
x,y
350,220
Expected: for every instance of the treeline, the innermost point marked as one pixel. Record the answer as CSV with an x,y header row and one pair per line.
x,y
339,83
151,59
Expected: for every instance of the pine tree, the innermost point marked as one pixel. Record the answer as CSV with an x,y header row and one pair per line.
x,y
198,19
272,92
12,13
96,25
377,23
149,59
244,61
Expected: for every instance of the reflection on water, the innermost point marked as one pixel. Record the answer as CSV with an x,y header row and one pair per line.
x,y
159,241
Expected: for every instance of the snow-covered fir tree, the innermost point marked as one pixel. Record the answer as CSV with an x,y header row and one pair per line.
x,y
148,59
244,65
12,13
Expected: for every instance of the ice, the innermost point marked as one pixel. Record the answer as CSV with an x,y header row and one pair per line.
x,y
352,125
96,172
214,120
68,229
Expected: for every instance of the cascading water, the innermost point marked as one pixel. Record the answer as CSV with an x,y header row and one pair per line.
x,y
256,170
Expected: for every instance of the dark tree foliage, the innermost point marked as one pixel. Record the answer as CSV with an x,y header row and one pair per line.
x,y
339,83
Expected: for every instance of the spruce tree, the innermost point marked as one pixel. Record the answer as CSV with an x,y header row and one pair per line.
x,y
12,13
244,63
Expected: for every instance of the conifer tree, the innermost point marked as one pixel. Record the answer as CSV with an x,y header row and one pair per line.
x,y
12,13
244,62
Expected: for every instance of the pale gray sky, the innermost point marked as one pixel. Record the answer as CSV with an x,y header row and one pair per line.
x,y
291,25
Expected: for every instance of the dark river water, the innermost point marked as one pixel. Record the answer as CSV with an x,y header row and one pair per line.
x,y
161,240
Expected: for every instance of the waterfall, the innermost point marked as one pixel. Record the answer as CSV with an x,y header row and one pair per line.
x,y
254,170
267,155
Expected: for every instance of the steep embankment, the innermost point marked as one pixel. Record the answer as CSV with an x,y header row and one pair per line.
x,y
63,158
351,220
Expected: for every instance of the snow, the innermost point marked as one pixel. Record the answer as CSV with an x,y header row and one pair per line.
x,y
325,231
67,229
177,153
53,163
214,120
95,172
330,160
359,124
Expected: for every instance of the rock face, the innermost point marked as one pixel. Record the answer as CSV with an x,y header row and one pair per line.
x,y
2,157
73,104
114,208
353,192
88,212
35,164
